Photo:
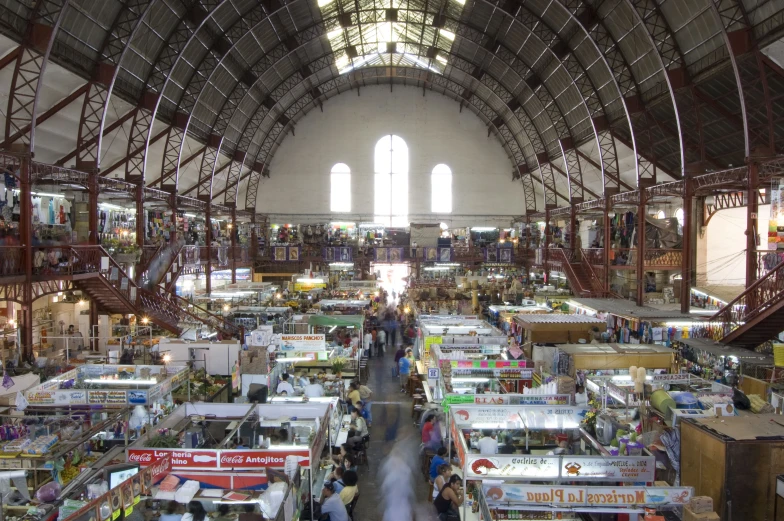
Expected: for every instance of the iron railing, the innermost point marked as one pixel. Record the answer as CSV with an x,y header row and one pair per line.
x,y
766,292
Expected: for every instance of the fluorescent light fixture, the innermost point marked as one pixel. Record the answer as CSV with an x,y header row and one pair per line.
x,y
483,229
40,194
120,382
295,359
341,264
471,380
437,268
332,329
449,35
110,206
313,281
334,33
212,335
189,215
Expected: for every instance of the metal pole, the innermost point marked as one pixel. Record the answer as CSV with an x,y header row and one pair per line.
x,y
232,234
26,239
752,208
688,227
606,282
641,248
208,238
548,234
139,199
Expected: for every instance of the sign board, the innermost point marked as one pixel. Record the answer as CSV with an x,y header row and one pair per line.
x,y
206,459
507,399
459,446
564,495
429,340
534,417
628,469
490,364
433,373
302,342
108,397
71,397
137,397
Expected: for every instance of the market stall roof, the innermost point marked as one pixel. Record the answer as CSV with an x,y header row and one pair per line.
x,y
336,320
619,349
745,427
344,302
718,349
627,308
526,319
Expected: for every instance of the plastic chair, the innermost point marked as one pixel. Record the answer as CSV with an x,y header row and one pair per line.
x,y
352,505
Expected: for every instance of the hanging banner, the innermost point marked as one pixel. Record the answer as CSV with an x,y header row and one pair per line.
x,y
627,469
487,364
338,254
296,342
564,495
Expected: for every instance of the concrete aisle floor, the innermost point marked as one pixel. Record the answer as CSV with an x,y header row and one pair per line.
x,y
391,482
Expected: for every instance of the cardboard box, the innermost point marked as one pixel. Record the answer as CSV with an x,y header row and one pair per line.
x,y
701,504
689,515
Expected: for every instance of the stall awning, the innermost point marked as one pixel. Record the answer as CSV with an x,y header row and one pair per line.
x,y
336,320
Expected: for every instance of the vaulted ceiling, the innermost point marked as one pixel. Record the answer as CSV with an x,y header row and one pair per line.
x,y
197,95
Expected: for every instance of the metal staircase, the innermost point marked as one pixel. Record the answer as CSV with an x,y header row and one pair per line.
x,y
580,274
93,271
757,314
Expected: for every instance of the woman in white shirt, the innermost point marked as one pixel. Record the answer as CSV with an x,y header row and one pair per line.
x,y
444,473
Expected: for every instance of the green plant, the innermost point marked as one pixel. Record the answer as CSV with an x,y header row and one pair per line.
x,y
339,363
160,441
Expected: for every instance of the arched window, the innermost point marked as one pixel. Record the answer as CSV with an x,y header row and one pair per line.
x,y
391,182
441,189
660,214
679,216
340,188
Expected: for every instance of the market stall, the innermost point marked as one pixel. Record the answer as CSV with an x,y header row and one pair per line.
x,y
625,322
472,369
143,493
213,440
100,386
735,461
503,316
455,329
576,359
343,306
554,328
533,434
216,358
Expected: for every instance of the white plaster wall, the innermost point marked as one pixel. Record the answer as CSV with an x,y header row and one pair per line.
x,y
347,131
725,262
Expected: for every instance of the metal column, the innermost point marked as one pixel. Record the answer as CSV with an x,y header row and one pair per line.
x,y
752,208
686,249
232,234
548,234
606,257
641,248
92,207
208,240
26,239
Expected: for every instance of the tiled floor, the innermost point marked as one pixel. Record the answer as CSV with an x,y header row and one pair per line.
x,y
391,486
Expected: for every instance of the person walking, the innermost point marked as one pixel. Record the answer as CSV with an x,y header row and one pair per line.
x,y
398,355
405,371
368,344
382,340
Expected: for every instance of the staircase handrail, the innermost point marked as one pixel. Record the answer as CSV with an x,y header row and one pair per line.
x,y
215,321
738,311
567,267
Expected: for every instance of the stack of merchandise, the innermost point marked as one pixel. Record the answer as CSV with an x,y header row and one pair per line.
x,y
254,361
70,506
700,508
167,488
41,444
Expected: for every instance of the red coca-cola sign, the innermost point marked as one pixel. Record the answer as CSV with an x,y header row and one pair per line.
x,y
180,458
213,459
257,459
